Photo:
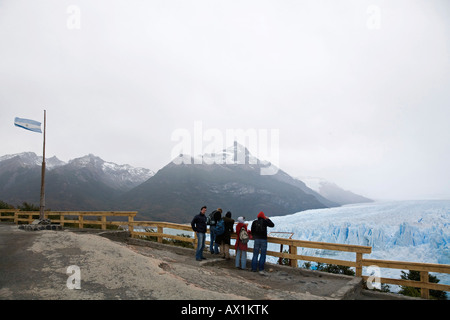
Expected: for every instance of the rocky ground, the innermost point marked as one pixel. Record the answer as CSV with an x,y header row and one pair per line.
x,y
37,265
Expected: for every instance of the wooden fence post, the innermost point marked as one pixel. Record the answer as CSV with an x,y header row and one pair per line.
x,y
103,222
293,250
80,221
195,240
424,293
130,225
359,258
160,230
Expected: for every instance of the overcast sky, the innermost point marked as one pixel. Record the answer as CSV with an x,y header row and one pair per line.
x,y
357,91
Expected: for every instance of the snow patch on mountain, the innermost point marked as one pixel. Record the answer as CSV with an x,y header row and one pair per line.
x,y
30,159
118,172
333,192
235,154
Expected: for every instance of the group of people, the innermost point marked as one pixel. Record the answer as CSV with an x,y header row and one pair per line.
x,y
221,228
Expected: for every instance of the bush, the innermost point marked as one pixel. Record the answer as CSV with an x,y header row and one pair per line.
x,y
415,292
28,207
4,205
175,242
331,268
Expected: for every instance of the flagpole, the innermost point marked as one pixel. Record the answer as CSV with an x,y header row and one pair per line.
x,y
42,198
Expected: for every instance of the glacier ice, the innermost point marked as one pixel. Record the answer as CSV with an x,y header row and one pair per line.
x,y
417,231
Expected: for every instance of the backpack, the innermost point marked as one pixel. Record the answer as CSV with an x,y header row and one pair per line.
x,y
210,220
258,226
243,236
220,227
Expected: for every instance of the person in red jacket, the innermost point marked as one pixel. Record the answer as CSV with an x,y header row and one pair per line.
x,y
239,246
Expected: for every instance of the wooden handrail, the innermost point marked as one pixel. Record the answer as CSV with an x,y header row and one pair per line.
x,y
321,245
293,244
80,214
358,263
416,266
424,269
7,217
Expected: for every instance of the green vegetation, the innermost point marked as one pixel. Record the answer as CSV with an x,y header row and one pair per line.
x,y
331,268
28,207
176,242
24,207
415,292
4,205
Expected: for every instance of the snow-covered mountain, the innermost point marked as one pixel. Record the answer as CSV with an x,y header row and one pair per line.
x,y
116,173
119,176
333,192
417,231
235,154
85,183
30,159
231,179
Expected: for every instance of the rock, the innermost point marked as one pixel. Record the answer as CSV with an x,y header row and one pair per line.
x,y
37,225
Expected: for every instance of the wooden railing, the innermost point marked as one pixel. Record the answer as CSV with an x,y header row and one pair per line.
x,y
79,218
424,268
293,257
291,243
7,214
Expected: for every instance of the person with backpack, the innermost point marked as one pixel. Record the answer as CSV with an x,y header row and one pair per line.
x,y
213,218
259,233
198,224
242,237
224,228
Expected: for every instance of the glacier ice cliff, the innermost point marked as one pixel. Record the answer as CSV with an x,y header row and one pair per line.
x,y
417,231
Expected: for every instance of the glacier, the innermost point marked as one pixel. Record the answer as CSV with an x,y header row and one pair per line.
x,y
416,231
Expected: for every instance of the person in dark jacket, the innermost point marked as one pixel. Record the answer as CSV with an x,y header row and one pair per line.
x,y
259,234
199,226
216,216
225,238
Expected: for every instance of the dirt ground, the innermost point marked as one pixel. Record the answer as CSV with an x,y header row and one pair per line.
x,y
35,265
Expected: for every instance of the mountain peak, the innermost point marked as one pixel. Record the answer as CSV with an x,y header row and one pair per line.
x,y
86,160
239,154
54,162
26,158
234,154
30,159
333,192
84,183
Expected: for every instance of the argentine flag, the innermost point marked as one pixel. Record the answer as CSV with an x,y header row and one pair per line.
x,y
27,124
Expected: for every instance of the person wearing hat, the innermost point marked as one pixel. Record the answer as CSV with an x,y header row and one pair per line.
x,y
224,239
259,233
240,246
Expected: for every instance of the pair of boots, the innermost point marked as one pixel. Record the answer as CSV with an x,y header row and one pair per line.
x,y
225,251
